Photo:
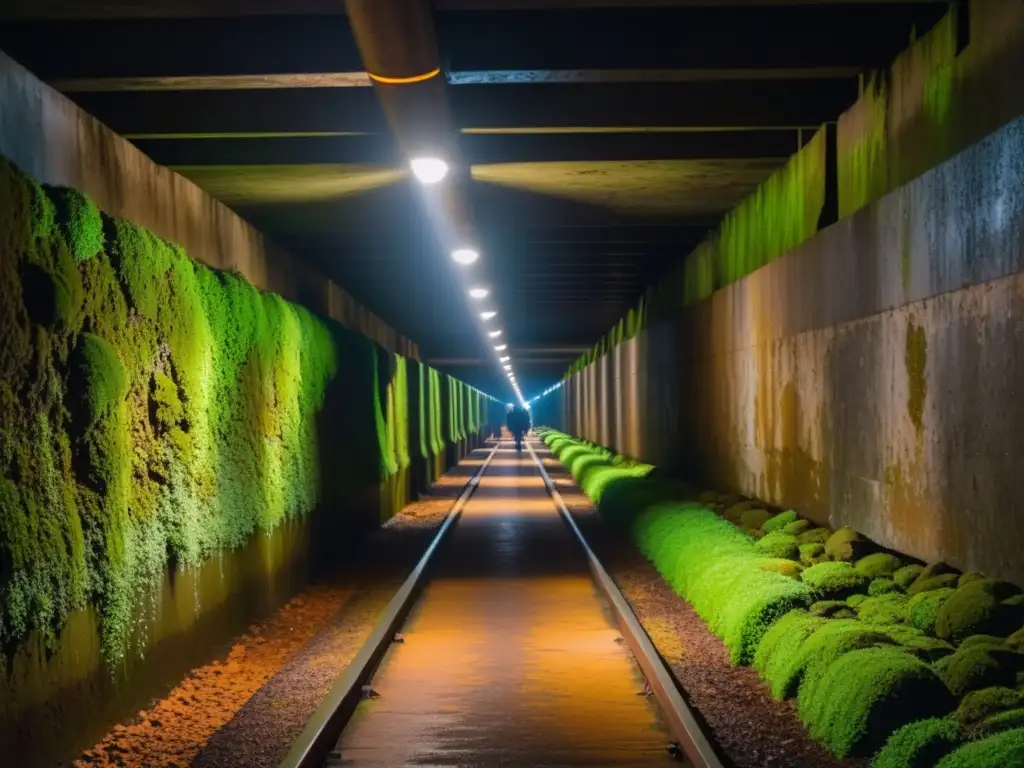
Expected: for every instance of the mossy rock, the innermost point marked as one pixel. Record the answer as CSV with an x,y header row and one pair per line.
x,y
967,578
812,554
868,693
797,527
1016,640
782,566
978,705
920,744
977,609
983,640
1004,721
834,579
828,643
923,608
776,655
1003,750
753,519
814,536
846,545
79,221
882,587
977,667
945,581
932,570
833,609
780,521
778,545
878,565
884,609
857,599
925,647
907,575
100,380
734,512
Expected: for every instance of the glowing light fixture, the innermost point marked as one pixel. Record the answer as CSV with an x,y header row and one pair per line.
x,y
429,170
508,367
504,359
500,347
487,315
478,293
494,334
465,255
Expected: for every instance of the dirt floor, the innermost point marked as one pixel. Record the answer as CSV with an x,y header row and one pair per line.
x,y
246,705
748,726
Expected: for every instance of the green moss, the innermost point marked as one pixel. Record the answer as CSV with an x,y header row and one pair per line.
x,y
967,578
916,361
1004,749
780,521
846,544
834,579
919,744
856,599
981,704
833,609
880,564
779,545
868,693
983,640
812,554
782,566
976,667
907,575
1016,640
776,658
945,581
815,536
923,608
79,221
884,609
925,647
1002,721
715,566
753,519
976,609
796,528
156,411
882,587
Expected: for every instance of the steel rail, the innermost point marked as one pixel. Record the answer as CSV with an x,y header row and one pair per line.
x,y
681,721
316,741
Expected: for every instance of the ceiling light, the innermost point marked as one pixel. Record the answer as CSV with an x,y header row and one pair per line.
x,y
500,347
429,170
478,293
504,359
494,334
508,367
465,255
487,315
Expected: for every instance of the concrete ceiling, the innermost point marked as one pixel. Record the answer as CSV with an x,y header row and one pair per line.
x,y
594,165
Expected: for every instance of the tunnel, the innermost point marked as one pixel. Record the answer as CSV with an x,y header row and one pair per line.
x,y
512,383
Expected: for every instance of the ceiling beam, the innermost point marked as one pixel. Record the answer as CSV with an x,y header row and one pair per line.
x,y
318,110
476,149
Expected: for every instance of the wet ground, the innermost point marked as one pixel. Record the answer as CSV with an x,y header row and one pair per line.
x,y
509,657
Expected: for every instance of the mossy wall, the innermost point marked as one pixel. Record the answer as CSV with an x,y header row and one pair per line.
x,y
865,378
937,99
154,411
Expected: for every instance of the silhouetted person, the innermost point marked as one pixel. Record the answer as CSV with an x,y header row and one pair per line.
x,y
518,424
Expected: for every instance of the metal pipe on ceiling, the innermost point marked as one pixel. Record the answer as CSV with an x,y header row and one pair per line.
x,y
399,50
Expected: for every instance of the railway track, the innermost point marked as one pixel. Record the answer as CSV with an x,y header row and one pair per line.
x,y
322,741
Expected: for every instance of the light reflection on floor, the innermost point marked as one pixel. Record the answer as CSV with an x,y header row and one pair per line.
x,y
508,658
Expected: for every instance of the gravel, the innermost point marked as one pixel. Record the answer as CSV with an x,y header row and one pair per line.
x,y
749,728
246,707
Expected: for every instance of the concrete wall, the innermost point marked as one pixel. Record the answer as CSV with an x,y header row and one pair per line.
x,y
870,377
57,143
